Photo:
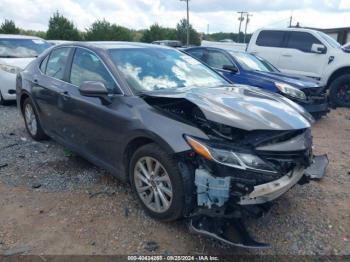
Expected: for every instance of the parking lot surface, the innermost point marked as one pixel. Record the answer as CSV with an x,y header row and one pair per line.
x,y
53,202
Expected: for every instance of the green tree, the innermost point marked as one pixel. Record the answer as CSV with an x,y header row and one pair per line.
x,y
157,32
9,27
103,30
181,33
60,28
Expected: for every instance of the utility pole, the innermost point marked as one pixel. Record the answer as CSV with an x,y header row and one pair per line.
x,y
188,23
240,19
247,20
291,19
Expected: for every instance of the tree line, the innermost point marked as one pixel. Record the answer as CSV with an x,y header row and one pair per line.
x,y
61,28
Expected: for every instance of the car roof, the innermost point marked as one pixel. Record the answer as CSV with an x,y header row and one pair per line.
x,y
298,29
8,36
214,48
106,45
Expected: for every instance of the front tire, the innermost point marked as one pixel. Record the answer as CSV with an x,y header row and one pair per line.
x,y
157,182
339,93
32,122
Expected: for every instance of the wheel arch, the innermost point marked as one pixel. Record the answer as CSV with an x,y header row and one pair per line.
x,y
337,73
24,95
137,142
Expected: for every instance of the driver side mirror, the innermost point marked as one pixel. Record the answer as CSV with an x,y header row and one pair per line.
x,y
230,68
318,49
95,89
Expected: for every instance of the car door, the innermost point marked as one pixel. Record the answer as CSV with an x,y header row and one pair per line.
x,y
297,57
92,125
268,45
49,87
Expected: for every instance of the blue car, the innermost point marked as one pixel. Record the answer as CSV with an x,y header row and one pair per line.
x,y
244,68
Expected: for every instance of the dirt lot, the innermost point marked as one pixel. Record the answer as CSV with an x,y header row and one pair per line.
x,y
48,203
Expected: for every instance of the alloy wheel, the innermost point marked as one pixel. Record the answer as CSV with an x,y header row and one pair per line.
x,y
153,184
30,119
344,93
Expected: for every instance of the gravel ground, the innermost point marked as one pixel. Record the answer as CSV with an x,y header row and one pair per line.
x,y
54,203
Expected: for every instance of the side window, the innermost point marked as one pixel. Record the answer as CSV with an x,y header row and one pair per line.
x,y
217,59
57,62
197,53
270,38
302,41
86,66
43,64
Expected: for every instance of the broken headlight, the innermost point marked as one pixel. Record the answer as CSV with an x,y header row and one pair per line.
x,y
231,158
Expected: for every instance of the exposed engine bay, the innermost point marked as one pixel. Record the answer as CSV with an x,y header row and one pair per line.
x,y
237,173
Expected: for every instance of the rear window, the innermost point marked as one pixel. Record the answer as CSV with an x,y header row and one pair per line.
x,y
270,38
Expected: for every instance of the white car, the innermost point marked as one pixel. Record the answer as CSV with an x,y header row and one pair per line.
x,y
309,53
16,52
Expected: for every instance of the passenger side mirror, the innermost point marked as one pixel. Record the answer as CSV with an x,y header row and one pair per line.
x,y
231,68
95,89
318,49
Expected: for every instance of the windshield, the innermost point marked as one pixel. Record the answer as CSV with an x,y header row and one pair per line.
x,y
21,48
331,41
150,69
252,62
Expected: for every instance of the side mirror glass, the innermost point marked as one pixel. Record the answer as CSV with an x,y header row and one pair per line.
x,y
318,49
95,89
231,68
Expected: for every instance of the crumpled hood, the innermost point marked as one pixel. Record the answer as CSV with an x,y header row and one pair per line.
x,y
19,62
244,107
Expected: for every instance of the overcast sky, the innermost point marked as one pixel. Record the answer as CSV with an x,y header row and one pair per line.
x,y
221,15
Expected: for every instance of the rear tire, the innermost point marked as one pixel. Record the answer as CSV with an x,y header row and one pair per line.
x,y
339,93
153,168
32,122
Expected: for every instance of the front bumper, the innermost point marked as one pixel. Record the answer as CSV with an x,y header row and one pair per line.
x,y
272,190
316,102
8,85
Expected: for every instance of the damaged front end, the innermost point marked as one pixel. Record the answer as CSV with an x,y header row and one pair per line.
x,y
237,172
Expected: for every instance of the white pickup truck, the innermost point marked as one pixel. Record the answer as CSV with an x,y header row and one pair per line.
x,y
307,52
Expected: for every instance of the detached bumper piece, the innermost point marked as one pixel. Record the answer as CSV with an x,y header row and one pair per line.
x,y
317,170
229,231
317,102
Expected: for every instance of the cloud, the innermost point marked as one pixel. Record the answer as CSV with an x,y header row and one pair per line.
x,y
221,15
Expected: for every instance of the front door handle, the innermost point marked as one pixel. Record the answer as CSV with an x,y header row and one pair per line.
x,y
64,93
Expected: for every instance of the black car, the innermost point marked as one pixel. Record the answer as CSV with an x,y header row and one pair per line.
x,y
190,143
